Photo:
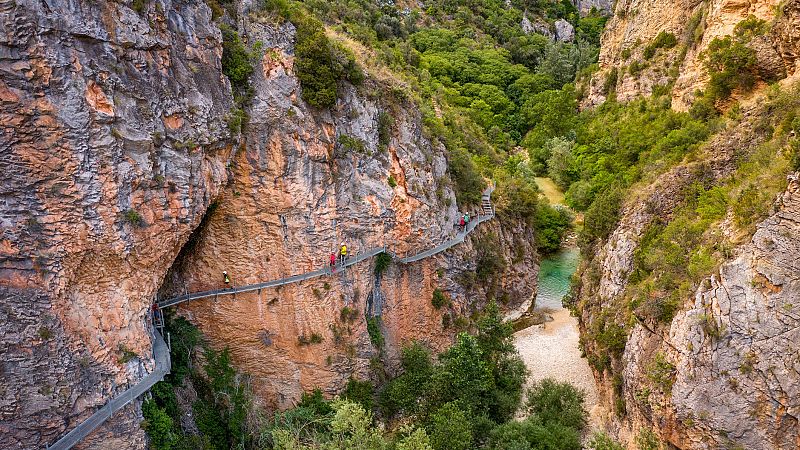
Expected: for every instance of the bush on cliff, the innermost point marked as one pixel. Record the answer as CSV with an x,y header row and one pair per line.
x,y
731,64
236,60
319,62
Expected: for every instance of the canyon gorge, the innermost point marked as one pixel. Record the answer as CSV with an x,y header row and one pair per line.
x,y
149,146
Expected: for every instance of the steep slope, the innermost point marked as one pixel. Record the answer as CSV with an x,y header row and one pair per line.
x,y
307,180
122,143
710,363
113,146
635,62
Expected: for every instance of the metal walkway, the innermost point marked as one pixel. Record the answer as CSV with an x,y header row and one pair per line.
x,y
161,356
486,208
161,352
274,283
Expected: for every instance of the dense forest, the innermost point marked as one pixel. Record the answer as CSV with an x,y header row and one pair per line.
x,y
504,103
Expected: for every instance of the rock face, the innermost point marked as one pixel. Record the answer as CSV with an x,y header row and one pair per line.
x,y
732,350
751,374
695,24
112,148
586,6
307,180
115,144
537,26
565,32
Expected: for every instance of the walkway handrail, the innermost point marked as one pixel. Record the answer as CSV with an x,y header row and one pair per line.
x,y
161,354
273,283
485,196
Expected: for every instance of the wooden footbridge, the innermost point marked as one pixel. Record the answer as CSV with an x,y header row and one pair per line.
x,y
161,350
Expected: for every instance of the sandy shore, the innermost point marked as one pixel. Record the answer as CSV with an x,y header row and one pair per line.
x,y
551,350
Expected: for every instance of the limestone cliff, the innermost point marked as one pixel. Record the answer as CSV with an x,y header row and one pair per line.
x,y
307,180
112,148
118,157
629,71
723,373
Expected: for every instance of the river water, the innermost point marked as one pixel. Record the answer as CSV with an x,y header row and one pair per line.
x,y
551,350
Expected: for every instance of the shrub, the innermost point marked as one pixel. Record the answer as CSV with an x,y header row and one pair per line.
x,y
468,182
236,120
159,426
374,331
610,82
382,262
613,338
348,314
359,392
751,205
731,64
352,144
315,338
139,6
601,441
236,59
531,433
45,333
516,198
134,218
127,354
385,124
551,224
320,63
446,321
647,440
712,204
559,403
663,40
489,260
450,429
438,300
391,181
661,372
602,216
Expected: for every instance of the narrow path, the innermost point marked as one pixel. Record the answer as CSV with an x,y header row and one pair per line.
x,y
486,208
161,352
161,356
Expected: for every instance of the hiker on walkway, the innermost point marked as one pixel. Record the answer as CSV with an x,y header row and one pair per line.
x,y
462,223
466,218
343,253
333,261
227,279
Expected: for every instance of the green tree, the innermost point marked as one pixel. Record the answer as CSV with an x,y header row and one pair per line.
x,y
359,391
559,403
469,183
551,224
450,429
415,440
561,163
159,426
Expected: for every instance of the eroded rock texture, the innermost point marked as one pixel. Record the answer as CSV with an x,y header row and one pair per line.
x,y
307,180
111,151
695,24
115,143
731,369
